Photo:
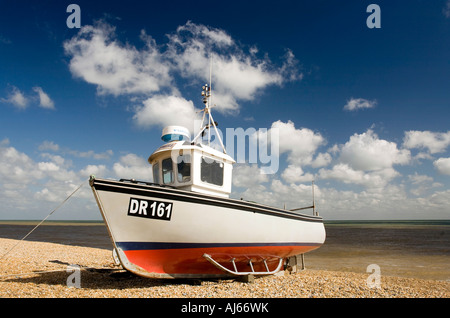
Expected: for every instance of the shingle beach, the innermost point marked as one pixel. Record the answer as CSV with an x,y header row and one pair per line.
x,y
39,270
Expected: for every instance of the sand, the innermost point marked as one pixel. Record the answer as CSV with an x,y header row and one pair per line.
x,y
39,270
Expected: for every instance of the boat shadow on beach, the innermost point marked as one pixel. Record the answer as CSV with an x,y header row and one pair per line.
x,y
103,278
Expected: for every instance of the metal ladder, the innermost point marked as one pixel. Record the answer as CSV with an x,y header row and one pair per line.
x,y
238,273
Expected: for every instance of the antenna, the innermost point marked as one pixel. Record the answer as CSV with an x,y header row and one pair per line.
x,y
206,94
314,203
210,77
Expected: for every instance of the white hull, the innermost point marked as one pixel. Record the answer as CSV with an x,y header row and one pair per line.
x,y
163,232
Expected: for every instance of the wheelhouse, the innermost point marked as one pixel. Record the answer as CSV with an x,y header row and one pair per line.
x,y
193,167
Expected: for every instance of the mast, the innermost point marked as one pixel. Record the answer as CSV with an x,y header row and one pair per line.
x,y
314,202
206,94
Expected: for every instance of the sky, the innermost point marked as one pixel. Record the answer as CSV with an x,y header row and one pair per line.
x,y
359,97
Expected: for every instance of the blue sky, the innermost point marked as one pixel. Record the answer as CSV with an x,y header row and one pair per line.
x,y
362,111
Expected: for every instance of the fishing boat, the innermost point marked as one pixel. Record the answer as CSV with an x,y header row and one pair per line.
x,y
184,224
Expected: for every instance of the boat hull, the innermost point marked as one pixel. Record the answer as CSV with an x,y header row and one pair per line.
x,y
163,232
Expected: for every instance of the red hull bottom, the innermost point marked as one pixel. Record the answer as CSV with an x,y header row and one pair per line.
x,y
190,261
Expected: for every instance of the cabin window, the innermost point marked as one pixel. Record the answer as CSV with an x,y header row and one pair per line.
x,y
167,171
212,171
184,168
156,173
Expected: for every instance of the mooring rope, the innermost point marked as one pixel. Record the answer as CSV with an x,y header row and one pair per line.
x,y
61,204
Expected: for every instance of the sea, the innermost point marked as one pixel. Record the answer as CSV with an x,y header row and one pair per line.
x,y
412,248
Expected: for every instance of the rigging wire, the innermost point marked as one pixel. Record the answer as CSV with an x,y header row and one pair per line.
x,y
61,204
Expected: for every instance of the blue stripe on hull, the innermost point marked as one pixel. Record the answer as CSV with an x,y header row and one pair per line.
x,y
128,246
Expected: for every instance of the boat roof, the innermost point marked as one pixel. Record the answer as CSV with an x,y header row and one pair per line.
x,y
186,145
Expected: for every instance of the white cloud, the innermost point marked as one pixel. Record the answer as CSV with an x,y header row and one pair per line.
x,y
442,165
44,99
132,166
28,185
51,146
236,75
57,159
289,70
391,203
300,144
359,103
439,200
247,176
48,145
280,195
293,195
373,179
419,179
99,59
48,166
388,202
16,98
91,154
96,170
366,160
211,35
422,184
57,169
294,174
435,142
30,188
342,172
367,152
446,9
18,170
258,193
321,160
4,40
47,195
165,110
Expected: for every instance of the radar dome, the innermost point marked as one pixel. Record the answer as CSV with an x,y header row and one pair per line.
x,y
175,133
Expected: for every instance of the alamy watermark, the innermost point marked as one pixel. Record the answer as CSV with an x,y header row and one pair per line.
x,y
74,19
374,279
252,146
74,279
374,19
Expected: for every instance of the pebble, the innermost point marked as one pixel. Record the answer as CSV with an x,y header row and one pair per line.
x,y
39,270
